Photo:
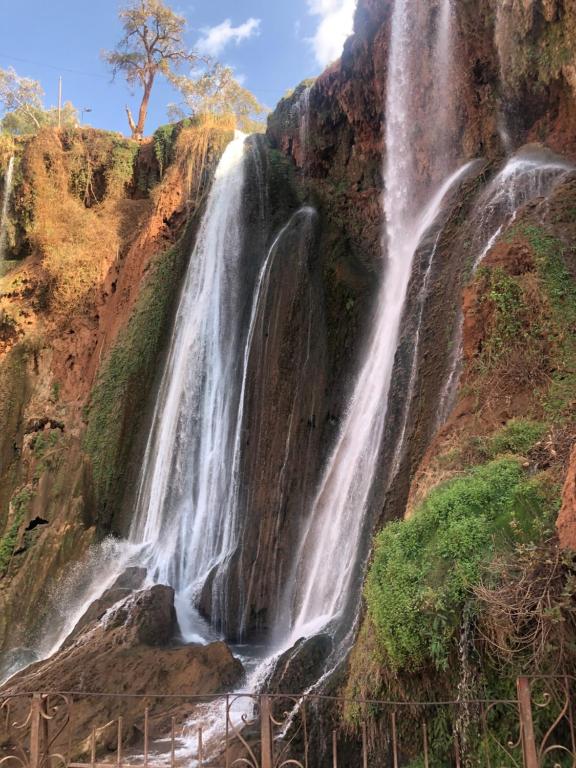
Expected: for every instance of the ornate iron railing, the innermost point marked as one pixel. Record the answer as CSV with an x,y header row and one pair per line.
x,y
77,730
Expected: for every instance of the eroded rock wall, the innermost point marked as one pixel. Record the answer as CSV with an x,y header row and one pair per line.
x,y
85,301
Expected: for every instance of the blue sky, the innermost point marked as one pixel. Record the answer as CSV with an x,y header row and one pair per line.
x,y
271,44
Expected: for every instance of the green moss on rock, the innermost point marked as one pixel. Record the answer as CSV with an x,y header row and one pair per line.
x,y
120,391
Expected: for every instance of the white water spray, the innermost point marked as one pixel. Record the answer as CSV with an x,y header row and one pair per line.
x,y
8,185
302,109
529,175
327,559
444,99
186,511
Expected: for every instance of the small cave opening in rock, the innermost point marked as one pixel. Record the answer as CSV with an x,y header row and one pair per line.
x,y
35,523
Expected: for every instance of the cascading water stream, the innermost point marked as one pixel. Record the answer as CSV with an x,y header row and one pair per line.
x,y
326,563
530,174
444,92
8,184
329,545
186,511
302,110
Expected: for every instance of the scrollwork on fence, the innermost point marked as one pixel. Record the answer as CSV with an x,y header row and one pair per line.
x,y
33,740
41,730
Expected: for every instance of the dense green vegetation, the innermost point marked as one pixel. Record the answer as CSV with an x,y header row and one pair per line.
x,y
455,592
425,567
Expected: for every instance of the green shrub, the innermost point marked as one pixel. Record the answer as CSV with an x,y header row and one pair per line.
x,y
120,171
518,436
424,567
165,142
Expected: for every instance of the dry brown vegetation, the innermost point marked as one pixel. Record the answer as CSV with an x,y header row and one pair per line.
x,y
526,618
77,243
193,147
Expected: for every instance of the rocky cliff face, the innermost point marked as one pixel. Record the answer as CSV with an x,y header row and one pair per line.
x,y
76,378
94,264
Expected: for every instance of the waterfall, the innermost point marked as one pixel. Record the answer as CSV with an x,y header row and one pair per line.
x,y
302,116
530,174
443,95
186,511
8,184
326,564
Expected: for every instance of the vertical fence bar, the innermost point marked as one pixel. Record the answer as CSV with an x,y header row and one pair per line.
x,y
364,746
570,713
146,735
200,749
93,748
526,723
266,731
457,749
486,738
173,743
334,749
71,713
305,726
119,751
425,745
394,740
35,730
227,715
44,723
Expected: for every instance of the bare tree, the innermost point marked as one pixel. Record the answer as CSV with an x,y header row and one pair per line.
x,y
153,44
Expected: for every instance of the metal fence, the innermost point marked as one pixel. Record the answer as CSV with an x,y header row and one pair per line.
x,y
534,729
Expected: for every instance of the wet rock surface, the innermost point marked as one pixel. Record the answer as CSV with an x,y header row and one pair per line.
x,y
131,650
123,587
298,668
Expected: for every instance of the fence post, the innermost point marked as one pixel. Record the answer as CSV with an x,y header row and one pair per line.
x,y
35,730
529,754
266,731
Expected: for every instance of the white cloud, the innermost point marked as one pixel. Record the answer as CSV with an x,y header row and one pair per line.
x,y
215,39
336,23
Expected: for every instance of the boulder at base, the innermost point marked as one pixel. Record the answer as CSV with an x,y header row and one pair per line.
x,y
127,652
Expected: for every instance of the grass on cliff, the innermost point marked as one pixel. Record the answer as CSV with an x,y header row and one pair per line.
x,y
560,287
190,145
117,397
424,568
19,505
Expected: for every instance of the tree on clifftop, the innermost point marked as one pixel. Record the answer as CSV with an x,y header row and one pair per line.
x,y
22,107
217,92
153,44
